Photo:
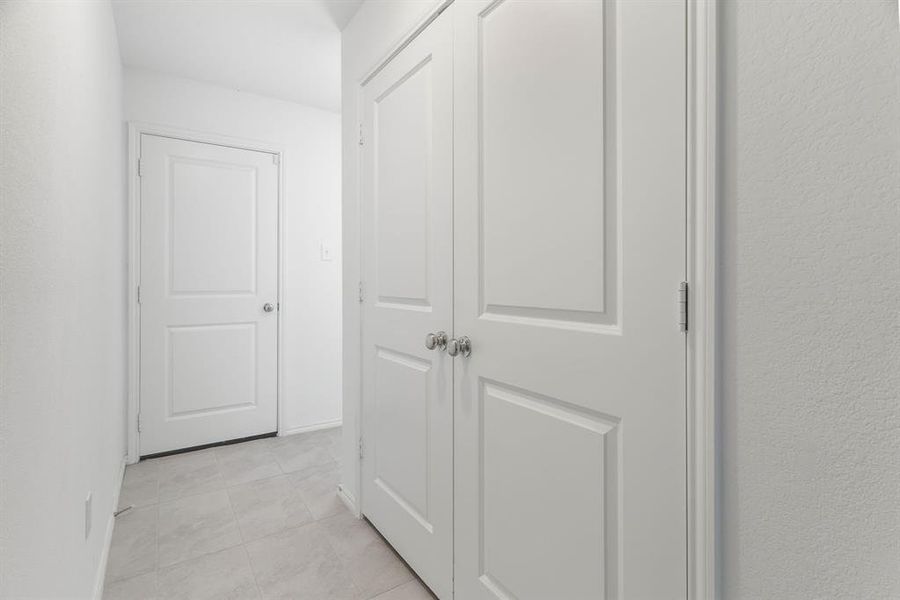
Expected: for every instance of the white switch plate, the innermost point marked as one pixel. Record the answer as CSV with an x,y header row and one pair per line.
x,y
325,251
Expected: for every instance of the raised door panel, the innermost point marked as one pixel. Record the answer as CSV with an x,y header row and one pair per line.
x,y
564,529
548,241
402,396
210,369
402,126
212,227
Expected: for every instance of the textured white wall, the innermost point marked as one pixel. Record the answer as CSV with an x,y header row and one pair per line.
x,y
371,35
310,137
811,299
62,293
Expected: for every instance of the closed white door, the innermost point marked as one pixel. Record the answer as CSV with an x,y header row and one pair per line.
x,y
569,193
208,296
407,391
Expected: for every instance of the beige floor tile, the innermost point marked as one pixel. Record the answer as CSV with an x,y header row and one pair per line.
x,y
140,486
374,565
300,563
188,474
142,587
240,463
268,506
414,590
319,492
133,547
300,451
194,526
223,574
268,534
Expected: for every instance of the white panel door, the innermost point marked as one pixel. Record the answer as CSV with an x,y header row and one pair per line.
x,y
569,192
209,242
407,263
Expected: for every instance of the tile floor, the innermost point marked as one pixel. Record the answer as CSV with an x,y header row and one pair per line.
x,y
259,519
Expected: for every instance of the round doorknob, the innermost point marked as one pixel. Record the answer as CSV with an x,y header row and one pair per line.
x,y
436,340
268,307
462,345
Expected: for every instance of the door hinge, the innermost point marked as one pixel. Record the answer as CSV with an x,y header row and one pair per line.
x,y
138,294
361,140
139,424
360,448
140,168
360,292
276,159
683,306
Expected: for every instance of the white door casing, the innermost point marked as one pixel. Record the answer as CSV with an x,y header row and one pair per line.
x,y
208,265
569,200
407,266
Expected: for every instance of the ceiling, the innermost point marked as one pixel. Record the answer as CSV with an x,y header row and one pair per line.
x,y
288,49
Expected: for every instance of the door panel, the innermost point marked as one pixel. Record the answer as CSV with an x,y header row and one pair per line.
x,y
569,203
542,113
208,265
407,467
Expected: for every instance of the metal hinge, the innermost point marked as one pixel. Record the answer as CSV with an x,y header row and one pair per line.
x,y
361,140
360,448
140,427
683,306
360,292
140,168
276,159
138,294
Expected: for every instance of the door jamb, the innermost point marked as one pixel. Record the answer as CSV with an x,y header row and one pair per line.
x,y
701,256
135,130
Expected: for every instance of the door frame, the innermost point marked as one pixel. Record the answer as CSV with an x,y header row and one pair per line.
x,y
701,255
135,130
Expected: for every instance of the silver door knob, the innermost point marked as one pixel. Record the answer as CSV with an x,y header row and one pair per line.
x,y
462,345
436,340
268,307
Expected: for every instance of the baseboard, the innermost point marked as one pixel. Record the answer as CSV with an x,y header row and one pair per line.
x,y
348,499
107,539
308,428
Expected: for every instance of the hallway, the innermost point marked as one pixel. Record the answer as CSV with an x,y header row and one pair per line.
x,y
259,519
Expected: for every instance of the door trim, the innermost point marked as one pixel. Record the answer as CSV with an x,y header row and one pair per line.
x,y
702,274
701,255
135,130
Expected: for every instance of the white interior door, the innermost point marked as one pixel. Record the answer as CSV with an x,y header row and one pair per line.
x,y
569,121
209,242
407,262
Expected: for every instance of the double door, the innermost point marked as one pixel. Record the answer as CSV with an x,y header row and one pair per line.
x,y
523,237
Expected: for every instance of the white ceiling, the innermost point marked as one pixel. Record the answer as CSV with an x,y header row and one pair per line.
x,y
288,49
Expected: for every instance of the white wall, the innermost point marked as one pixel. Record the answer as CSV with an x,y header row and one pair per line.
x,y
310,138
811,299
376,29
62,293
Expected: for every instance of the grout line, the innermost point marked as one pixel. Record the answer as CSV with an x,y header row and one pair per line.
x,y
252,570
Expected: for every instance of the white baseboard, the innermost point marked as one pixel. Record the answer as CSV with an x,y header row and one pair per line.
x,y
348,499
107,537
308,428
